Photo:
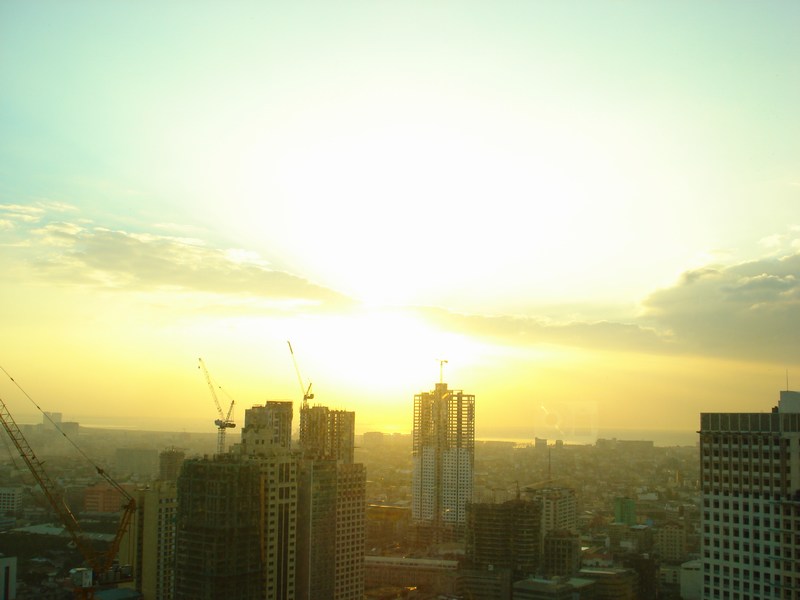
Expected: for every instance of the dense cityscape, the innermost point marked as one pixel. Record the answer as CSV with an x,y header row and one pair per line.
x,y
431,515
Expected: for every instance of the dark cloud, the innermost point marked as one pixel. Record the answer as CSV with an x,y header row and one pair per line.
x,y
121,260
750,310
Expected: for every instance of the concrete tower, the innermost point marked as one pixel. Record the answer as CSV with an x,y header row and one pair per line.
x,y
750,474
331,521
443,462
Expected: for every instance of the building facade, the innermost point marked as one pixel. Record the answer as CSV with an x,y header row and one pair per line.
x,y
750,477
331,508
219,530
149,545
505,535
559,508
443,455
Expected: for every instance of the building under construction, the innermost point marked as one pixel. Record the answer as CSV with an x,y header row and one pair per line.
x,y
331,507
219,530
443,463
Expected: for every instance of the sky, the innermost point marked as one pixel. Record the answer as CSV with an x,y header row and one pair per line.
x,y
589,210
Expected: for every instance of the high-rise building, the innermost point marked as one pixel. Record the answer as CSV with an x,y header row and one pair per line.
x,y
331,508
149,545
443,451
750,474
327,434
169,464
266,442
561,556
351,490
237,515
219,530
559,509
504,535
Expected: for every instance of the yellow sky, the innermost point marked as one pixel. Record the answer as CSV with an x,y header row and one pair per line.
x,y
591,216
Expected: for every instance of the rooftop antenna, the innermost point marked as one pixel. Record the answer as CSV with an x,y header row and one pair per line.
x,y
787,379
441,370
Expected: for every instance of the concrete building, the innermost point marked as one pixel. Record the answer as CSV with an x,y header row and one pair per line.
x,y
169,464
750,478
443,459
625,511
669,542
327,434
504,536
559,508
10,499
237,515
104,498
8,577
149,545
484,584
427,575
331,508
266,442
219,530
351,488
613,583
573,588
561,556
691,580
141,463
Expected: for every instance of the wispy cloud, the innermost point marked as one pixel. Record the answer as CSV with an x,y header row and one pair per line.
x,y
72,254
745,311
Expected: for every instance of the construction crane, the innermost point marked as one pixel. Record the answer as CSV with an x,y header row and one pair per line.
x,y
224,422
307,395
100,563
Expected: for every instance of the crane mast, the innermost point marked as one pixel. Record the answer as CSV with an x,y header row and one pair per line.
x,y
100,562
307,395
224,422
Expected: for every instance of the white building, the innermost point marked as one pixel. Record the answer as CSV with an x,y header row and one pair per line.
x,y
443,459
10,499
750,473
559,508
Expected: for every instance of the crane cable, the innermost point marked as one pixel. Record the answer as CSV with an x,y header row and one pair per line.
x,y
97,467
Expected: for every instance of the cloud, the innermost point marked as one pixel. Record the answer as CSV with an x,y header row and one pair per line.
x,y
525,330
122,260
20,213
747,311
750,310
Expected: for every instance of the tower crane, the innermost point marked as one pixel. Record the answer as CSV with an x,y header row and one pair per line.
x,y
307,395
100,562
224,422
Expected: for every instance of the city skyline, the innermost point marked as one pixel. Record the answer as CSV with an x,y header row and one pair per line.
x,y
591,214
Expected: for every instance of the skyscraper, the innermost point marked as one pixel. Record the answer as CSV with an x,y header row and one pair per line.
x,y
505,536
237,515
219,530
331,493
266,441
443,462
750,474
153,528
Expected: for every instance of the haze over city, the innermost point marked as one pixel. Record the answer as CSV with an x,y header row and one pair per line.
x,y
590,211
